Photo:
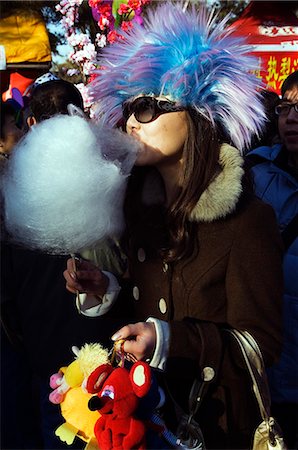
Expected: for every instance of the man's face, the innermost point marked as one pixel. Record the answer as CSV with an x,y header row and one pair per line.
x,y
288,122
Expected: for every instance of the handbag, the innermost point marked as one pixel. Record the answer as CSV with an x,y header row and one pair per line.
x,y
268,435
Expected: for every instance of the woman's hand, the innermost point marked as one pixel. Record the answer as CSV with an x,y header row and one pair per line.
x,y
140,339
84,276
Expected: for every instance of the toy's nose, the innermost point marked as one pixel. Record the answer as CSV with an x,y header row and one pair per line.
x,y
94,403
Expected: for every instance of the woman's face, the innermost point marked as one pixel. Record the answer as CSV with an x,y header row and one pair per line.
x,y
163,137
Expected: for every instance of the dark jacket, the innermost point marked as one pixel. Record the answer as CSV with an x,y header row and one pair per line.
x,y
232,278
40,315
276,185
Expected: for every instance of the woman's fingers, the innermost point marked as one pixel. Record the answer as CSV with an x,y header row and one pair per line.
x,y
84,276
125,332
137,348
72,284
140,339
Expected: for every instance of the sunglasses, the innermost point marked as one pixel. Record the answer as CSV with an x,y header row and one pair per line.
x,y
147,109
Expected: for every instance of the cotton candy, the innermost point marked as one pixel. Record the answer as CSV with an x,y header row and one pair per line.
x,y
64,185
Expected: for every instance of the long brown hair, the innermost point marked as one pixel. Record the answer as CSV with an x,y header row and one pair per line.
x,y
200,166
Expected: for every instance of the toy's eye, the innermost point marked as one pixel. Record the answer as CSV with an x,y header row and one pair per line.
x,y
108,391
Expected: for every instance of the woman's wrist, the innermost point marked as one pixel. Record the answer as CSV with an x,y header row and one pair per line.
x,y
161,350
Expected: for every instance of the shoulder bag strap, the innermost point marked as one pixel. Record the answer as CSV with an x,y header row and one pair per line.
x,y
254,361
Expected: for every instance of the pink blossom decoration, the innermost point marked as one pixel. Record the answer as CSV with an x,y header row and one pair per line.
x,y
84,51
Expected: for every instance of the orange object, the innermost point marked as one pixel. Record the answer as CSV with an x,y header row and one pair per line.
x,y
17,81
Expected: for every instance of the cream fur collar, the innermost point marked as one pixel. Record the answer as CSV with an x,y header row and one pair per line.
x,y
223,193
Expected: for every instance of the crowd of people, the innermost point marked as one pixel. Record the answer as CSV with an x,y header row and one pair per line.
x,y
210,238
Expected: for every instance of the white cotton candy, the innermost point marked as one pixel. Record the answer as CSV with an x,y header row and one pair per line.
x,y
61,194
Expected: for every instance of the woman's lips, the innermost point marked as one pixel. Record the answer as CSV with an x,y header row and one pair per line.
x,y
135,136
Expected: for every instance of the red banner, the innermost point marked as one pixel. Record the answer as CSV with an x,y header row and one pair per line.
x,y
275,67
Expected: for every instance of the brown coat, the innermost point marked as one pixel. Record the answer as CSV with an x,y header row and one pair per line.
x,y
233,278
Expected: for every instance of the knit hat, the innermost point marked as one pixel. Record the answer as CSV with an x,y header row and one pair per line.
x,y
190,58
44,78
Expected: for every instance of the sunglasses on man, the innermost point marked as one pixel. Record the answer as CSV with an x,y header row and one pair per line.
x,y
147,109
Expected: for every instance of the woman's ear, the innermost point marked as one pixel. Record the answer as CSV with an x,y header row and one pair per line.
x,y
31,121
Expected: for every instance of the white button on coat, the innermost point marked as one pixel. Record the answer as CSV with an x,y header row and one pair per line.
x,y
141,255
162,306
136,293
165,267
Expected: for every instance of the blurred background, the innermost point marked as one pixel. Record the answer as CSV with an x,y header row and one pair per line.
x,y
64,37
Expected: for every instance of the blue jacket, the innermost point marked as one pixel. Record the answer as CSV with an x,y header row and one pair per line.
x,y
275,185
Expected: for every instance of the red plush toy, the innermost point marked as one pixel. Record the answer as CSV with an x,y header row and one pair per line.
x,y
118,393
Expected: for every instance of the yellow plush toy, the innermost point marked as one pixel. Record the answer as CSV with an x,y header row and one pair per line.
x,y
70,393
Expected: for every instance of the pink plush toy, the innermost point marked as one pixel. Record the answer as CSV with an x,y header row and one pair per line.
x,y
58,386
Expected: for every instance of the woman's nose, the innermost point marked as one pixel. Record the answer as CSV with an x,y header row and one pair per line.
x,y
132,123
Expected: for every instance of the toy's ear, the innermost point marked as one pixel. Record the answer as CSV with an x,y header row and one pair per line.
x,y
140,377
97,378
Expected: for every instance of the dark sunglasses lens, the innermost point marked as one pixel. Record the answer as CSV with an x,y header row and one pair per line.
x,y
144,109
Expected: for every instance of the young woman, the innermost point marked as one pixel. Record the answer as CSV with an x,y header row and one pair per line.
x,y
204,254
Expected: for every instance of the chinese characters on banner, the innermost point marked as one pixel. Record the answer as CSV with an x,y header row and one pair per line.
x,y
275,67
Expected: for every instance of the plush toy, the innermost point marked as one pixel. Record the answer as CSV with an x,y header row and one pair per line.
x,y
66,378
118,393
69,391
87,359
127,401
79,420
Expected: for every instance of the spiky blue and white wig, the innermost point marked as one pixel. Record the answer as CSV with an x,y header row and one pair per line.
x,y
187,57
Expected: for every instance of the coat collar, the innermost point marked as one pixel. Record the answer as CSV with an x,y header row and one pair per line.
x,y
223,193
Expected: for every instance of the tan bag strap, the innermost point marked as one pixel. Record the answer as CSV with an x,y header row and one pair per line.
x,y
255,364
